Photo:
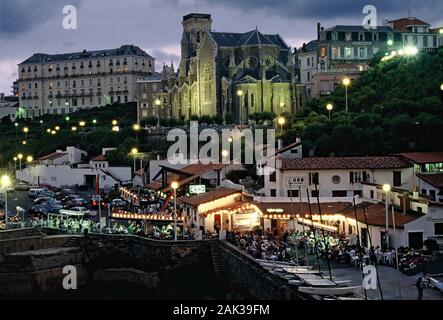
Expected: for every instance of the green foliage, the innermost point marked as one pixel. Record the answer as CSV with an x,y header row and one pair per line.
x,y
394,107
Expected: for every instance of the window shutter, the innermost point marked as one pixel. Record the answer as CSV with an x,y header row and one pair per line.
x,y
351,177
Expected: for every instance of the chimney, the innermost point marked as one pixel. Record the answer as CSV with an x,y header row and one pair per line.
x,y
318,30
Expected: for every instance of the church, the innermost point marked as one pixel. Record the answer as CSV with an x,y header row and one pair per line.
x,y
221,73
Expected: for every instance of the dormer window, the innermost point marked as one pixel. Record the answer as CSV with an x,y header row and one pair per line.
x,y
29,68
35,68
82,66
375,37
74,67
125,61
23,70
90,65
111,63
118,62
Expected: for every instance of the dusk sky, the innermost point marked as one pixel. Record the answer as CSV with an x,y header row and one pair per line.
x,y
30,26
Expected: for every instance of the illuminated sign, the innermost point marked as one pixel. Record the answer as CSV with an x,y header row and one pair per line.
x,y
197,189
292,182
272,210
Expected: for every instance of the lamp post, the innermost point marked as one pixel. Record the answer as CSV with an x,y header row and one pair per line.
x,y
157,110
329,107
5,182
347,82
67,122
16,128
94,122
20,157
387,189
240,95
26,131
15,163
174,186
82,125
134,153
136,127
281,121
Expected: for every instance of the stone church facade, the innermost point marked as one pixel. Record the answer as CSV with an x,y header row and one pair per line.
x,y
224,73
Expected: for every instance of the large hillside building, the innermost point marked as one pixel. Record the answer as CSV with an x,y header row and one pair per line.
x,y
226,73
65,83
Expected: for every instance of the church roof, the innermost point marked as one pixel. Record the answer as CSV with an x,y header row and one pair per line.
x,y
251,38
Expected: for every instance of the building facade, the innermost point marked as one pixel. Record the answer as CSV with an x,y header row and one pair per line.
x,y
229,73
65,83
416,33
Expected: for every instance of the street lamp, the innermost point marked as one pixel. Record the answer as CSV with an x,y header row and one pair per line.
x,y
29,159
53,132
441,87
57,128
134,153
329,107
387,189
48,130
16,128
390,42
281,121
5,182
157,110
174,186
67,122
136,127
74,129
82,124
94,122
26,131
20,157
114,123
410,51
15,163
240,95
346,82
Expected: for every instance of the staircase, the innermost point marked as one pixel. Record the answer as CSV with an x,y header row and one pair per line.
x,y
71,242
216,257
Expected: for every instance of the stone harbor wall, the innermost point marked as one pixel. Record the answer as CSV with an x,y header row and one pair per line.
x,y
247,275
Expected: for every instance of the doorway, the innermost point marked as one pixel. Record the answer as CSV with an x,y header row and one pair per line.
x,y
416,240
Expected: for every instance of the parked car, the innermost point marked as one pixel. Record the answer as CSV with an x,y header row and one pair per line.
x,y
77,202
22,187
35,193
118,203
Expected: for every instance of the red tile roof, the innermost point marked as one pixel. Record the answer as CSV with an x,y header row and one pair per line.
x,y
52,156
201,169
209,196
154,186
288,147
100,157
301,209
423,157
376,215
403,23
434,179
392,162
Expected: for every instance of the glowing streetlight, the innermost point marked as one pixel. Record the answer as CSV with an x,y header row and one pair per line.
x,y
53,132
115,128
82,124
158,102
441,87
134,153
136,127
57,128
24,142
411,51
329,107
281,121
230,140
74,129
67,122
157,111
346,82
387,189
20,157
29,159
174,186
5,182
16,128
282,104
94,122
390,42
240,94
26,131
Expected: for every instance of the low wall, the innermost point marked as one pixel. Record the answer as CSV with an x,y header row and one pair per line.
x,y
246,274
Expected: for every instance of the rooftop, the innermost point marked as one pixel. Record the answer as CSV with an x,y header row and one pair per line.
x,y
433,179
330,163
360,28
402,24
423,157
100,157
297,208
209,196
251,38
52,156
124,50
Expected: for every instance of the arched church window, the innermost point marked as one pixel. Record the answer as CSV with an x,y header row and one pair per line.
x,y
252,62
252,100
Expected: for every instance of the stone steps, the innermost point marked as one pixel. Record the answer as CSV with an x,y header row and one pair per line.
x,y
217,259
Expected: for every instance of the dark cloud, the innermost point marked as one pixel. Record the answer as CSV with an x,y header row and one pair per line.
x,y
328,9
19,16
